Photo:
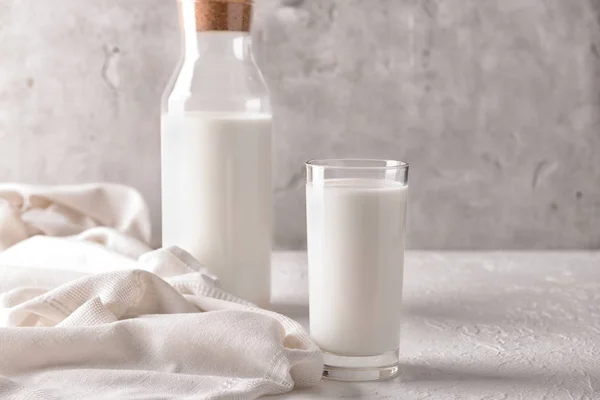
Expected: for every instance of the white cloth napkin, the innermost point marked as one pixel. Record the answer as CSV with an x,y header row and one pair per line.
x,y
80,318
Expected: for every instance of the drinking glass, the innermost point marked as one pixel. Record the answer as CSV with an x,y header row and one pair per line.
x,y
356,219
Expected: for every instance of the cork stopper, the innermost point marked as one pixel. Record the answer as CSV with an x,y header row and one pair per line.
x,y
223,15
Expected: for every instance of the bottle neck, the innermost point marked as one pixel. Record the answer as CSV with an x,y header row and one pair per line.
x,y
218,44
217,72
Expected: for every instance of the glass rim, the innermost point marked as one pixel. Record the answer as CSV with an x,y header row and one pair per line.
x,y
347,163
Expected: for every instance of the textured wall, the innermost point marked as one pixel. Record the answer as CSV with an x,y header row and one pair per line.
x,y
495,103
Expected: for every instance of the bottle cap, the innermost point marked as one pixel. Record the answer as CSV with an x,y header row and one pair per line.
x,y
223,15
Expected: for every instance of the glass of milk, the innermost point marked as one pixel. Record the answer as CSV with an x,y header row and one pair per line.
x,y
356,219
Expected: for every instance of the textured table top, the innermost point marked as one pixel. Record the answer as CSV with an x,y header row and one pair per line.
x,y
501,325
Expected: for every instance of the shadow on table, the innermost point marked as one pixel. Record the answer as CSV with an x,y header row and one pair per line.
x,y
416,373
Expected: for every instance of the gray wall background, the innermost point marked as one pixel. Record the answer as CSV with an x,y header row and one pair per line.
x,y
495,103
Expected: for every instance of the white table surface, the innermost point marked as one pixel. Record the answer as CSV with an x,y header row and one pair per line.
x,y
494,326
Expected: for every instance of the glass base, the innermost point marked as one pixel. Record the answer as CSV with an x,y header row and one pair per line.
x,y
361,369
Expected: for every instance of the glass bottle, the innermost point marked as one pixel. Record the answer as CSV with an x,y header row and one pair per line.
x,y
216,149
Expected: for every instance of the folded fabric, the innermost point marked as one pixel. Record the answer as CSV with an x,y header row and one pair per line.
x,y
27,210
80,317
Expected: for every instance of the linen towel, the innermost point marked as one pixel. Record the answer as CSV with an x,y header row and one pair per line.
x,y
81,318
